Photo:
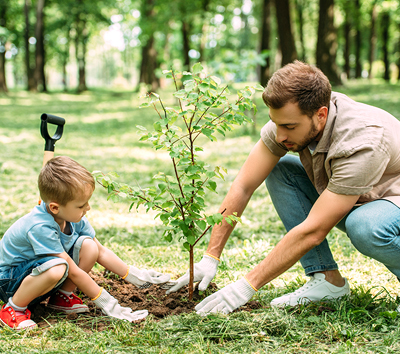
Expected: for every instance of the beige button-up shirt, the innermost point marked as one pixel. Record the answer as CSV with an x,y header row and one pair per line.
x,y
358,154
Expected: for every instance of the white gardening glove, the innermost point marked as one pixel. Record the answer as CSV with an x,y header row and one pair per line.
x,y
227,299
110,307
143,278
204,271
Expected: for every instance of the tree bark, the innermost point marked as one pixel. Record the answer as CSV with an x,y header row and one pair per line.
x,y
326,42
299,8
3,82
358,39
286,39
30,79
372,39
346,51
149,65
186,44
264,70
40,51
385,41
149,53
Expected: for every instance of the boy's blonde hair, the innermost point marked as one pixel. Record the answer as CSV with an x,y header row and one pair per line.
x,y
62,179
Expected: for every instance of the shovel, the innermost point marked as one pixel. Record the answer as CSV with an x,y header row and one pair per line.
x,y
50,140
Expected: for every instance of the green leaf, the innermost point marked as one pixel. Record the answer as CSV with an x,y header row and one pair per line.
x,y
180,94
191,239
187,246
217,218
201,224
196,68
145,104
212,185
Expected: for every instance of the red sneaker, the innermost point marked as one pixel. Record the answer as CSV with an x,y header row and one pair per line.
x,y
8,317
67,304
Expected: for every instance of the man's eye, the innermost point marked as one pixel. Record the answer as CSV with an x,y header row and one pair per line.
x,y
290,128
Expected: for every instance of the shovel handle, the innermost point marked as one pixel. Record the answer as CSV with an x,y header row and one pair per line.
x,y
51,140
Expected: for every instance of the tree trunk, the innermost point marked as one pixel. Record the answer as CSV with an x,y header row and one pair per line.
x,y
186,44
81,39
3,82
264,70
149,65
346,51
286,39
385,42
204,30
30,79
326,42
40,51
149,53
299,8
372,41
358,39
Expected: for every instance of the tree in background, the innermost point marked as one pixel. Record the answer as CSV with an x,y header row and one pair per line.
x,y
327,44
264,70
286,39
39,75
3,39
372,37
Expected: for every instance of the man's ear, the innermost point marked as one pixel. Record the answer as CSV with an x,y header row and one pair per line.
x,y
54,207
322,114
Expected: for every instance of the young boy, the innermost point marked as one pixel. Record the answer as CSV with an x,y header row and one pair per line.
x,y
48,252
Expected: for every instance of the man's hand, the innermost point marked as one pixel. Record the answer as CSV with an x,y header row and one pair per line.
x,y
143,278
204,271
227,299
110,307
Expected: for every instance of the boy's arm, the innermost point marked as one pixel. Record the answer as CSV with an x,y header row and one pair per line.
x,y
141,278
79,277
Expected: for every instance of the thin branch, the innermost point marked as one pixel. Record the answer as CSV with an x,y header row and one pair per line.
x,y
205,231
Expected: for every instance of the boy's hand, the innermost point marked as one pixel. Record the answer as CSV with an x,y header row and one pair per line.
x,y
143,278
110,307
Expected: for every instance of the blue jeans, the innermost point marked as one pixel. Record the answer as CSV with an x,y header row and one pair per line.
x,y
11,278
373,228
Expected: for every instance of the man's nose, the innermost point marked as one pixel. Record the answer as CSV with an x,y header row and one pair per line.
x,y
280,135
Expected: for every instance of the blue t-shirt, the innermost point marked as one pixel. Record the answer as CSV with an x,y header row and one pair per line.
x,y
38,234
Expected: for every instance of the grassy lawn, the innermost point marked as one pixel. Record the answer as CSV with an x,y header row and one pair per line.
x,y
101,134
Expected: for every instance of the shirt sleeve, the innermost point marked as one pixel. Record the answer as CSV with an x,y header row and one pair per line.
x,y
358,173
83,228
268,136
44,240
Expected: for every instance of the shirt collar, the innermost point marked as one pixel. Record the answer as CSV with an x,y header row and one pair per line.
x,y
325,142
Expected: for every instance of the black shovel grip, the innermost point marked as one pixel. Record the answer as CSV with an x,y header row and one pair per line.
x,y
51,140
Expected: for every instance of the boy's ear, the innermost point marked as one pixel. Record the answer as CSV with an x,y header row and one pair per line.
x,y
54,207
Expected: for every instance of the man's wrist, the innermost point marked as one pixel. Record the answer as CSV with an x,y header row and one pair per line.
x,y
212,256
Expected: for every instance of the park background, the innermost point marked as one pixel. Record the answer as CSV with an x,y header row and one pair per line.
x,y
89,61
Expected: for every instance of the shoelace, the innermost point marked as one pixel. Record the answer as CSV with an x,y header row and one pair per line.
x,y
307,285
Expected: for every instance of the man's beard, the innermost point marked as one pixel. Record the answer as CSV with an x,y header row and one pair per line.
x,y
311,136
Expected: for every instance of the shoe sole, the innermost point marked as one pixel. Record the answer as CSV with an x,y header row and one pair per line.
x,y
15,328
75,310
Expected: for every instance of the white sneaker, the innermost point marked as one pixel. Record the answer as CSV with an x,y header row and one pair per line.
x,y
314,290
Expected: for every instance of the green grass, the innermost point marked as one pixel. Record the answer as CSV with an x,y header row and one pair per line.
x,y
100,133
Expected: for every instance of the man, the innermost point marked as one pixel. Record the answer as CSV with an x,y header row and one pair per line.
x,y
347,175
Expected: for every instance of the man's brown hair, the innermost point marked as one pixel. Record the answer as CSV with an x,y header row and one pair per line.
x,y
62,179
298,83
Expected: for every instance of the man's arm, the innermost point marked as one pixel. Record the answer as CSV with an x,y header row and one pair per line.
x,y
255,170
327,211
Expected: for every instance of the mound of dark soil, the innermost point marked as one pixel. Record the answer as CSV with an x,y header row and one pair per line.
x,y
152,299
